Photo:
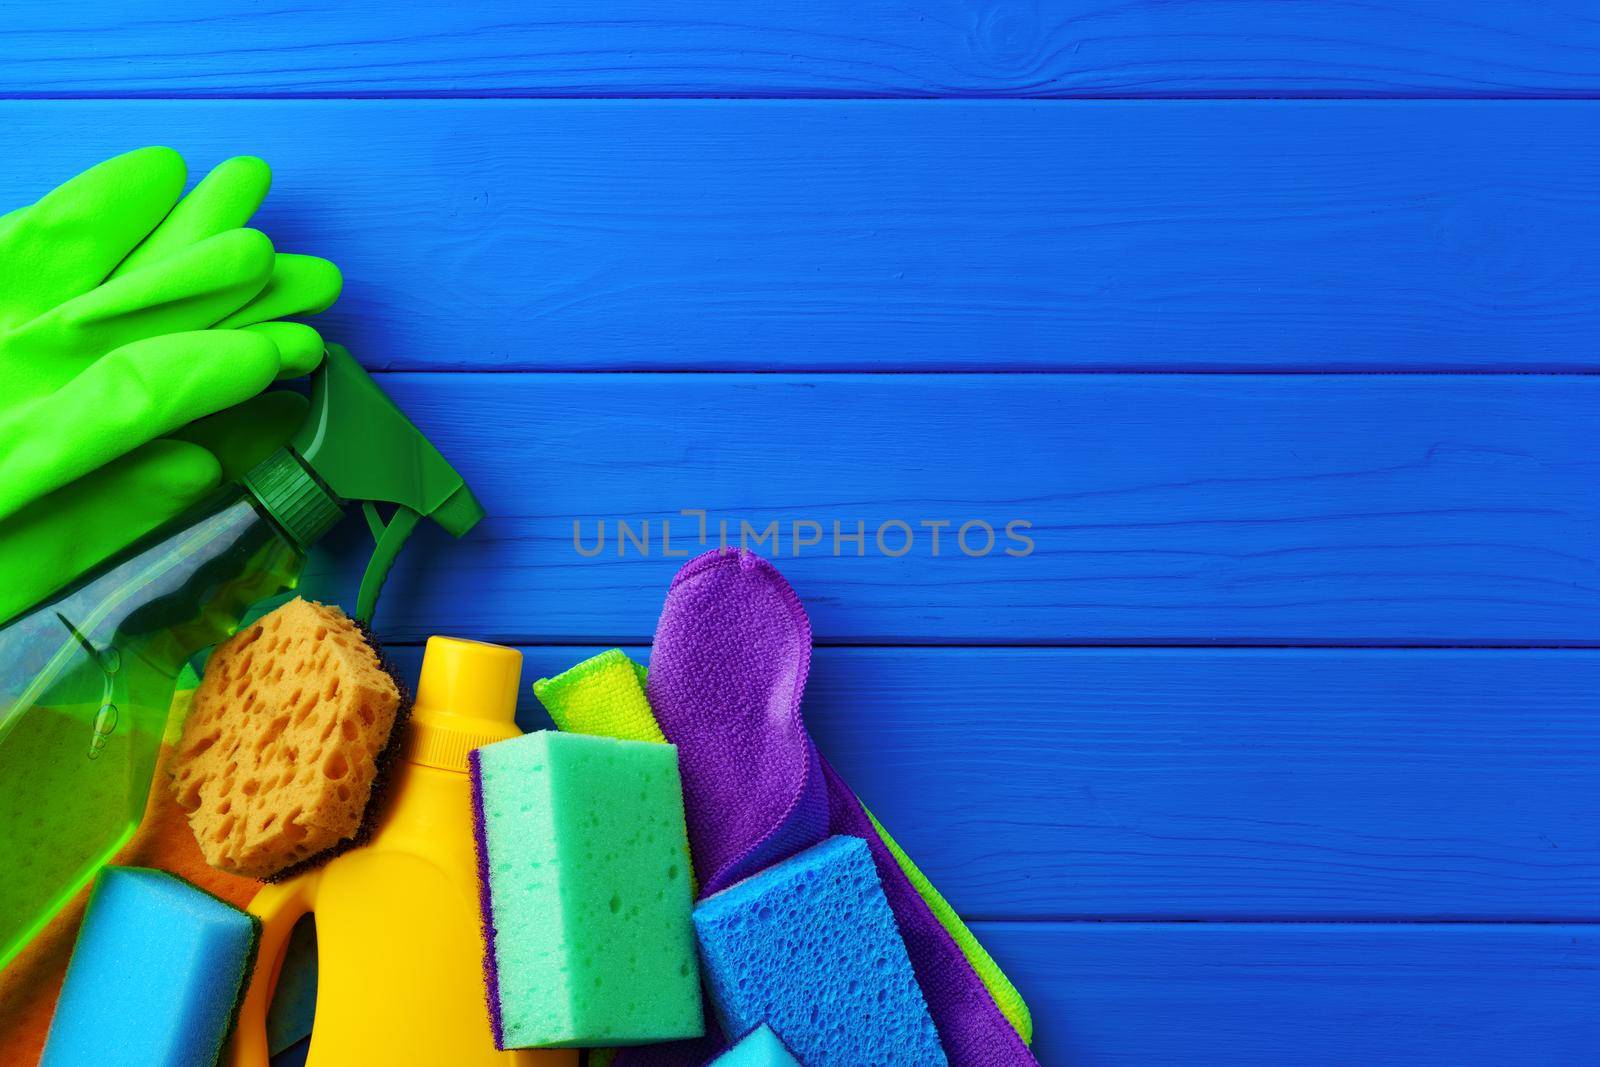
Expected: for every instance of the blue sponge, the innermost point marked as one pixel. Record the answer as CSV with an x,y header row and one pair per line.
x,y
155,977
760,1048
810,948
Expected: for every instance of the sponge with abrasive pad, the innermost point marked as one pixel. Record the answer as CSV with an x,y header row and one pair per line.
x,y
810,947
155,978
280,762
584,883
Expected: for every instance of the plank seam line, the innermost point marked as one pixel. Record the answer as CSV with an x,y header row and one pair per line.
x,y
1396,923
760,98
911,370
641,642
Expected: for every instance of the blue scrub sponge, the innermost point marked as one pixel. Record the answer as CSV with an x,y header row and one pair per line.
x,y
760,1048
810,948
155,977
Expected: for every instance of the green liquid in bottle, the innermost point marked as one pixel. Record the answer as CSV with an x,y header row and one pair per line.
x,y
86,684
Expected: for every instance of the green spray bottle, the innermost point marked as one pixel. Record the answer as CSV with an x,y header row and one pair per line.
x,y
87,677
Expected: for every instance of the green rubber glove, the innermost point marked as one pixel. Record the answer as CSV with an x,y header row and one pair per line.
x,y
125,319
299,285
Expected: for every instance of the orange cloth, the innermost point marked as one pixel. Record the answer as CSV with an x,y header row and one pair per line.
x,y
28,988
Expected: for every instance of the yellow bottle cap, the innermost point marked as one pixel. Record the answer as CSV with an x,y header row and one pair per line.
x,y
466,697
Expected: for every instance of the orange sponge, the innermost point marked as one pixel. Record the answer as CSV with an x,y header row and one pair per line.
x,y
289,727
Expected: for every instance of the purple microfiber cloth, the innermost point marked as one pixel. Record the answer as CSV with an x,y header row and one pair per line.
x,y
729,666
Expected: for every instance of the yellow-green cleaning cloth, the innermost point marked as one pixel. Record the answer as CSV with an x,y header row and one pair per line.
x,y
605,695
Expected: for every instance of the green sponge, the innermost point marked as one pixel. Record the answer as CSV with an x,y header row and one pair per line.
x,y
584,883
605,694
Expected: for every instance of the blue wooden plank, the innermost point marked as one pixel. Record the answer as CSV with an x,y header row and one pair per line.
x,y
1111,994
1203,994
817,48
1105,994
1186,784
1246,509
1242,235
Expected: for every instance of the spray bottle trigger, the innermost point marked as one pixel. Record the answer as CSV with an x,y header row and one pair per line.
x,y
388,539
361,447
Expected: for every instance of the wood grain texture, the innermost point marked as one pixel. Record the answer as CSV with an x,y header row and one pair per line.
x,y
1198,995
893,48
1203,994
1181,509
1149,784
1033,783
884,235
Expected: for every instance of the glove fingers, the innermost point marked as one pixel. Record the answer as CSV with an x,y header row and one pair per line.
x,y
47,544
300,285
224,200
300,347
247,433
138,392
188,291
69,241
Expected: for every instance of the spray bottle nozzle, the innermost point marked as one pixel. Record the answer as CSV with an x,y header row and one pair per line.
x,y
356,446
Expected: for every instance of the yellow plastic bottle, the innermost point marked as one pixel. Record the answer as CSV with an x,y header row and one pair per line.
x,y
400,955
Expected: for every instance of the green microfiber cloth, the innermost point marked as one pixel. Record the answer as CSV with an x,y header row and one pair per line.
x,y
583,866
605,695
